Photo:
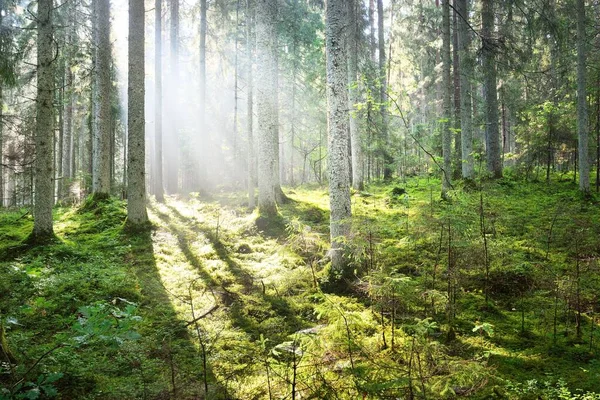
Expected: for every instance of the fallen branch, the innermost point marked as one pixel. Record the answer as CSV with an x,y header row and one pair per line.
x,y
210,311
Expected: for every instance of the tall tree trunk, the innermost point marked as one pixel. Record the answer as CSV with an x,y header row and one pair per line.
x,y
202,176
492,133
67,148
356,146
101,139
457,170
44,131
2,203
337,121
136,180
173,150
387,158
372,42
266,102
582,114
158,142
466,72
250,105
447,100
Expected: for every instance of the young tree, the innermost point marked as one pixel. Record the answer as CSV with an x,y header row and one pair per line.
x,y
357,168
136,181
466,71
582,114
158,179
266,104
102,133
337,118
447,100
488,53
44,131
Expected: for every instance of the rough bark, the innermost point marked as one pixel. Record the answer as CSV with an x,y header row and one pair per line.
x,y
67,148
250,105
136,182
447,100
466,71
44,131
102,133
582,113
387,158
158,136
457,154
337,121
492,133
266,105
356,147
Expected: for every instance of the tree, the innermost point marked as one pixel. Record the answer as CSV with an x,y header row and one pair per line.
x,y
102,133
67,148
582,114
488,53
250,105
357,167
44,131
387,158
337,118
136,182
202,94
266,103
172,150
158,179
466,71
447,100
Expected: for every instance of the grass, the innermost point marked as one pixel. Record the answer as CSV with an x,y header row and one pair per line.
x,y
212,304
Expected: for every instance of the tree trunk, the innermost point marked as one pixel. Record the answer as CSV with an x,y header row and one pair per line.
x,y
492,134
356,146
67,148
466,69
250,105
266,102
387,158
202,177
457,156
172,149
44,132
582,114
101,139
158,159
136,181
337,121
447,100
1,143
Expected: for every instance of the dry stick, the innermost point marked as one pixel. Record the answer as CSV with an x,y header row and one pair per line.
x,y
198,333
37,362
485,246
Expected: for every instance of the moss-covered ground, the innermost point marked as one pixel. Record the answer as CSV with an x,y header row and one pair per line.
x,y
210,304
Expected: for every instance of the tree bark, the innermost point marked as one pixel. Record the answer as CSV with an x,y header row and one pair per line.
x,y
356,146
466,72
172,149
447,100
387,158
101,139
158,136
266,102
202,95
44,132
67,148
250,106
136,181
582,112
337,121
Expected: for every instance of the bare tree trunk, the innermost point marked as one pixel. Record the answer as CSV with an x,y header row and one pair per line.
x,y
67,148
101,139
250,105
266,102
387,158
337,118
1,143
457,156
466,69
44,132
492,134
356,146
136,180
582,113
158,159
172,149
447,100
202,177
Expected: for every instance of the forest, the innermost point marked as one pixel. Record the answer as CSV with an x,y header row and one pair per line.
x,y
300,199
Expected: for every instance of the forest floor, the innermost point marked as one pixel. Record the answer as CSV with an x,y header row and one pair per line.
x,y
210,304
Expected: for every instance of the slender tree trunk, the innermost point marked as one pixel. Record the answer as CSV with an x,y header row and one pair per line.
x,y
387,158
44,132
101,139
67,148
202,95
136,180
447,100
173,149
466,72
372,42
2,203
250,105
356,146
457,170
582,113
337,120
266,102
492,134
158,142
